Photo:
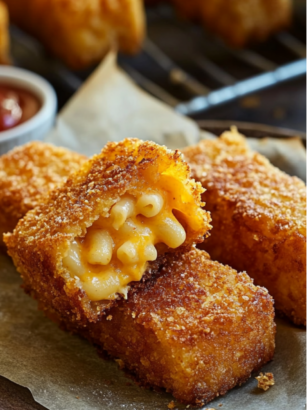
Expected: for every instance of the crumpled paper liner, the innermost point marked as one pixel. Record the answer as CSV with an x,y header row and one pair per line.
x,y
288,155
110,107
64,372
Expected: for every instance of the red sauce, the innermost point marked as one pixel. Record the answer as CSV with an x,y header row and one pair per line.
x,y
16,106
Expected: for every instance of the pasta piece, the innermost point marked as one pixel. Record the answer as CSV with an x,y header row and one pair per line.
x,y
27,174
150,253
122,210
150,205
101,210
196,328
73,259
100,245
128,253
259,218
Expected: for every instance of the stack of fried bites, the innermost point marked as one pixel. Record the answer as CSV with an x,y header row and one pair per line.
x,y
110,254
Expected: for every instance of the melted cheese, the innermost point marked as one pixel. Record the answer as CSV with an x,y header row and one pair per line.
x,y
115,250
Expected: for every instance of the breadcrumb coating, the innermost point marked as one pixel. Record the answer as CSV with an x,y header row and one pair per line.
x,y
27,174
265,381
258,217
196,328
42,238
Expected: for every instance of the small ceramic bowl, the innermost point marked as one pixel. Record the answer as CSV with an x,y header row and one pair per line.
x,y
37,126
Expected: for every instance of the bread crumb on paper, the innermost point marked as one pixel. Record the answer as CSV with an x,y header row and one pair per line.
x,y
265,381
120,363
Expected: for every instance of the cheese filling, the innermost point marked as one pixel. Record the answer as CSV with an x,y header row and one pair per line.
x,y
116,249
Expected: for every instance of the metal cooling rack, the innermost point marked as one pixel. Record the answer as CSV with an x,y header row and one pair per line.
x,y
183,65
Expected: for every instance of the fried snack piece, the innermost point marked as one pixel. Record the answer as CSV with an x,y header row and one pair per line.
x,y
258,217
80,32
196,328
97,233
27,174
239,22
4,35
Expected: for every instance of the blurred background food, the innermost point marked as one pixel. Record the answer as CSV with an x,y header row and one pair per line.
x,y
238,22
209,59
4,34
80,32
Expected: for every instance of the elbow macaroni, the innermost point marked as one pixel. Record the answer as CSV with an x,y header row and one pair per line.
x,y
73,260
100,247
115,250
121,211
128,253
149,205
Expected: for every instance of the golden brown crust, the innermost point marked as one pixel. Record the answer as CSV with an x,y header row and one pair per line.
x,y
259,218
239,22
196,328
27,174
81,32
42,238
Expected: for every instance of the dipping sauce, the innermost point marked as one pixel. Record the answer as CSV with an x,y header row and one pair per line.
x,y
16,106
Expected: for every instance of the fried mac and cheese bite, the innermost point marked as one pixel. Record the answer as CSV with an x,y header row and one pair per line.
x,y
239,22
4,35
258,217
81,32
98,233
195,327
27,174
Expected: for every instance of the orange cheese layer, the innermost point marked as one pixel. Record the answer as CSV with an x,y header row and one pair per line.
x,y
116,249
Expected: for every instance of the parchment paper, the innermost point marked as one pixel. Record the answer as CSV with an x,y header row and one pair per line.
x,y
64,372
110,107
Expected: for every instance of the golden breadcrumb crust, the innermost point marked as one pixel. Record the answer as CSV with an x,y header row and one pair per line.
x,y
258,217
41,240
239,22
80,32
196,328
27,174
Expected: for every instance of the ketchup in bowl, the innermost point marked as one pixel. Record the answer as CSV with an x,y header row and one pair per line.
x,y
16,106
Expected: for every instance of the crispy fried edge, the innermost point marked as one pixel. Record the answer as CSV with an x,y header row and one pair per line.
x,y
235,212
41,239
20,193
129,333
